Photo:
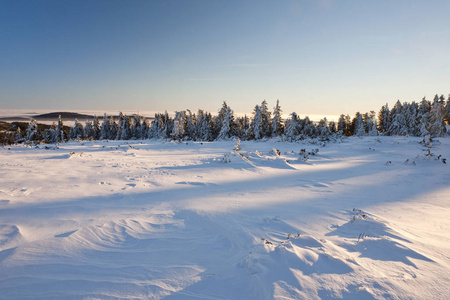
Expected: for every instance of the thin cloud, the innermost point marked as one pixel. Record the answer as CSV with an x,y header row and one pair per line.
x,y
249,65
205,79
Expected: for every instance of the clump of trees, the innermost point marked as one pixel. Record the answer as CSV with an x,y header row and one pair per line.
x,y
415,119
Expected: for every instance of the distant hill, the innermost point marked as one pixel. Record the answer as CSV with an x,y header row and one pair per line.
x,y
64,115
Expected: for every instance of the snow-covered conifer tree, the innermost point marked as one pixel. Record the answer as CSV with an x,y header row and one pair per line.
x,y
168,125
332,128
76,132
191,132
206,127
423,117
358,125
308,127
49,135
384,119
218,120
257,123
398,123
266,125
447,110
277,123
32,133
144,129
96,127
344,125
241,127
136,127
246,128
437,123
155,129
105,129
18,137
119,126
88,130
291,130
179,125
411,119
198,124
374,130
322,127
226,130
114,128
59,132
125,128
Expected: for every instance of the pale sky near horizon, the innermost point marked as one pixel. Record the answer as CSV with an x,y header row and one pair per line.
x,y
318,57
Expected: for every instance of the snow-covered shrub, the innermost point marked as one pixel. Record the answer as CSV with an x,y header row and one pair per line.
x,y
237,147
275,151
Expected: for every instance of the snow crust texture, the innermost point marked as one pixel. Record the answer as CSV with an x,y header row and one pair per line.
x,y
364,218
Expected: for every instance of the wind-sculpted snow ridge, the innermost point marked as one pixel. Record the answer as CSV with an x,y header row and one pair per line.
x,y
265,220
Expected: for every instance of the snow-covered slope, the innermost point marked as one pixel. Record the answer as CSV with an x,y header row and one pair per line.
x,y
365,218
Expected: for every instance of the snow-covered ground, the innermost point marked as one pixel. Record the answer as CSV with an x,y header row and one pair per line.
x,y
365,218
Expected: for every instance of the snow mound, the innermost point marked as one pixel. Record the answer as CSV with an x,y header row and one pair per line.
x,y
10,236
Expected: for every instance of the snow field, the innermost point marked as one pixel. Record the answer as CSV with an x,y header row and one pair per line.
x,y
364,218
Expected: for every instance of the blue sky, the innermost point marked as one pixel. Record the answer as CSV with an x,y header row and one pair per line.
x,y
318,57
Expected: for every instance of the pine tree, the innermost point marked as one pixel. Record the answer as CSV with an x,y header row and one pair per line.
x,y
257,123
59,136
217,121
442,100
32,133
437,123
323,129
114,128
435,99
358,127
198,124
203,126
105,129
49,135
144,129
423,117
191,132
226,131
137,130
367,121
240,129
168,125
308,128
266,125
384,119
179,125
398,123
277,122
207,127
119,126
332,128
374,130
96,128
344,125
156,127
411,119
125,129
18,137
88,130
447,110
76,132
292,130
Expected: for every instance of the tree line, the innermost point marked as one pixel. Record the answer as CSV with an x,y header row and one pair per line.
x,y
415,119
